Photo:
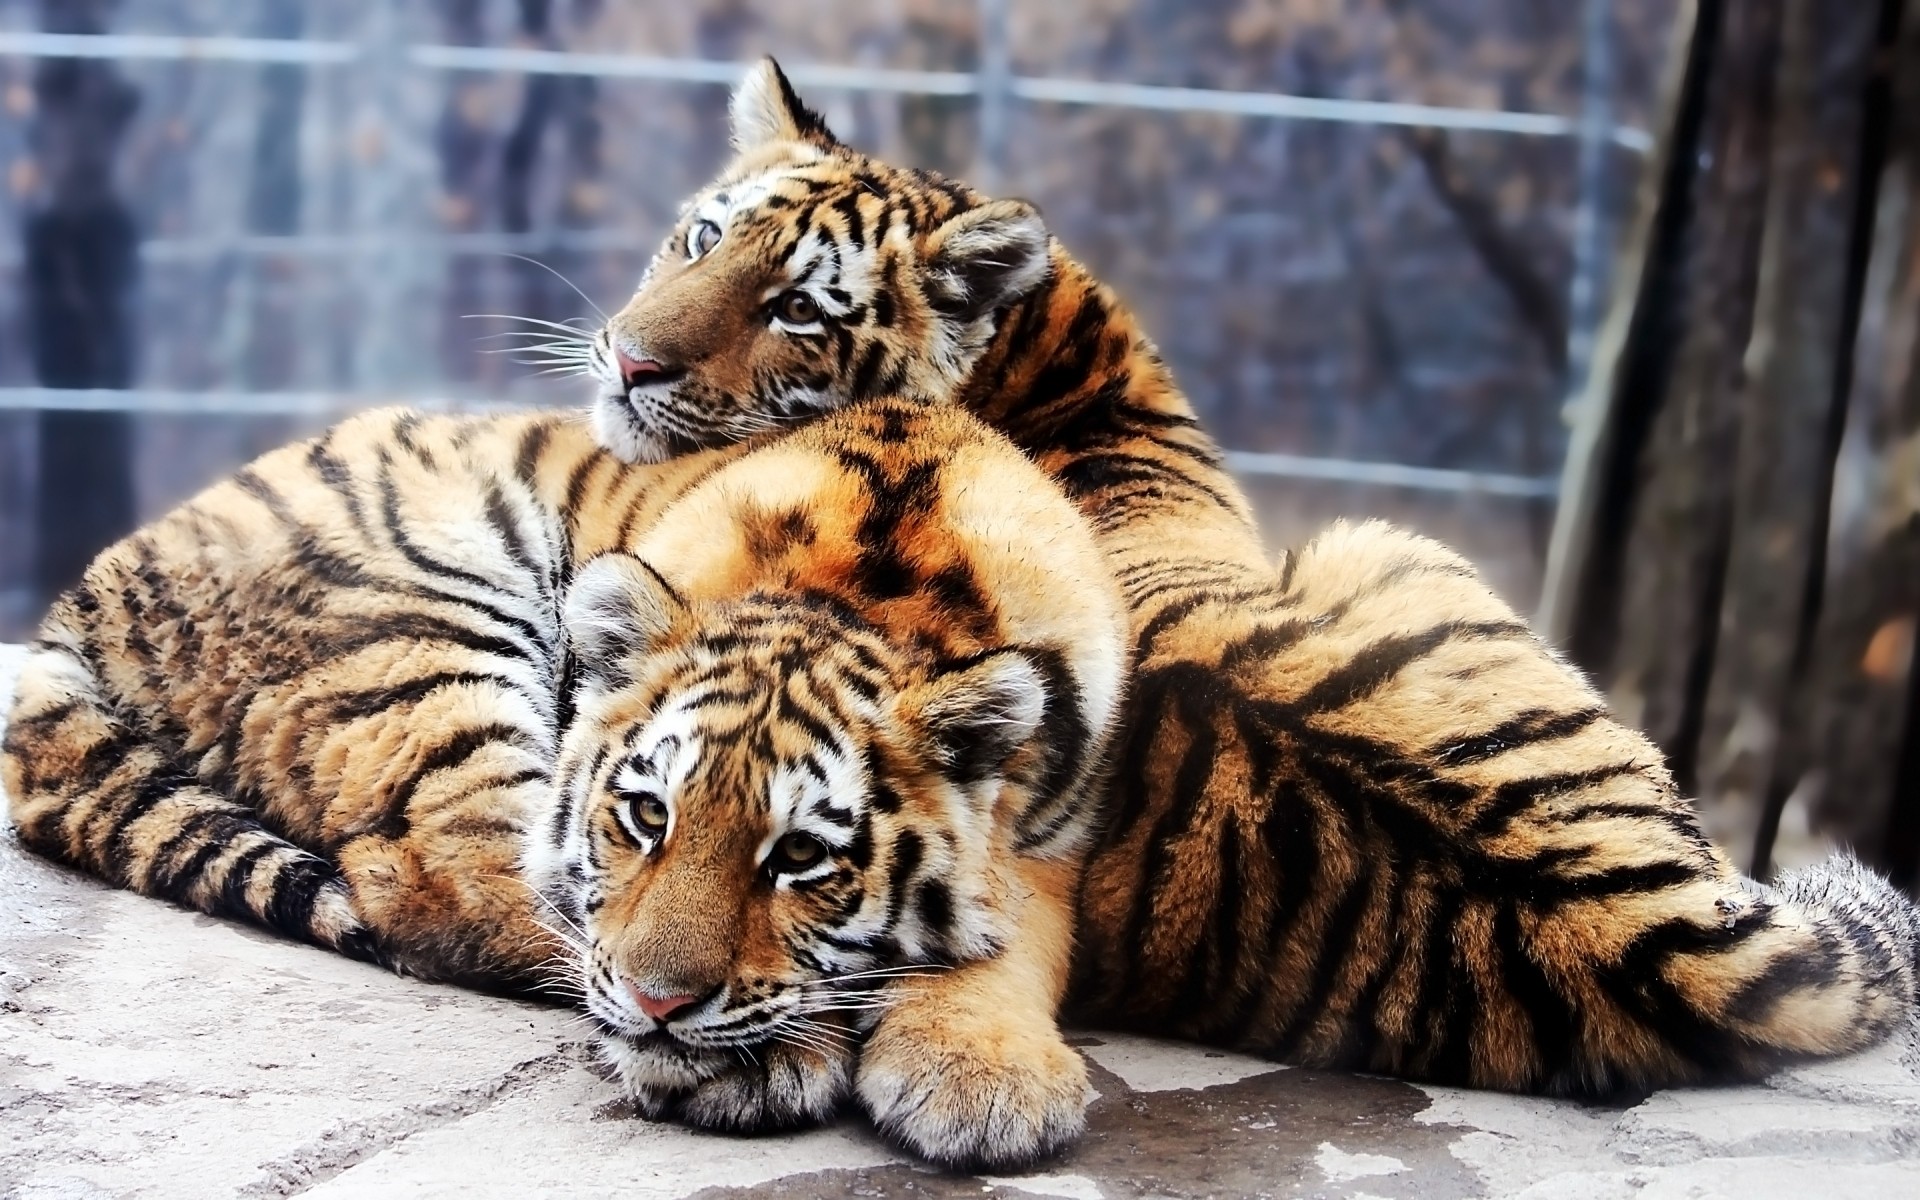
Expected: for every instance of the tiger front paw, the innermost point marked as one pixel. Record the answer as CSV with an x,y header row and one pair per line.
x,y
759,1089
967,1093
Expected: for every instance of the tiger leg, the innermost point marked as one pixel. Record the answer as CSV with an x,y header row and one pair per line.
x,y
87,789
430,805
968,1068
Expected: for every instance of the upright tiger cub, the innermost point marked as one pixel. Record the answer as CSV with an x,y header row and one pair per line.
x,y
1362,816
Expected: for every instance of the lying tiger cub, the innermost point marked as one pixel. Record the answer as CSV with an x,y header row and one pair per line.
x,y
816,709
841,709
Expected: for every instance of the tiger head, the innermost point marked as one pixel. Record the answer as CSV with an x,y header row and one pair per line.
x,y
765,807
805,277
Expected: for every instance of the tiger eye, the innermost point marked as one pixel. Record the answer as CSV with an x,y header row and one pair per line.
x,y
650,813
796,852
702,238
798,308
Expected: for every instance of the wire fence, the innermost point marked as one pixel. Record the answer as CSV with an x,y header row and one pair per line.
x,y
995,89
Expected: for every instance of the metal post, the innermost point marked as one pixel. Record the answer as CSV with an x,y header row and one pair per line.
x,y
81,259
995,94
1589,242
387,353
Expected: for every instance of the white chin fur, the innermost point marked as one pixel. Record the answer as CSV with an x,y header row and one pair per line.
x,y
617,430
650,1072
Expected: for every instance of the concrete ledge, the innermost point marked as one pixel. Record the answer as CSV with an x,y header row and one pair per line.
x,y
148,1051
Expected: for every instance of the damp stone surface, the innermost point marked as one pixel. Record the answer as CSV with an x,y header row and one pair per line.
x,y
147,1051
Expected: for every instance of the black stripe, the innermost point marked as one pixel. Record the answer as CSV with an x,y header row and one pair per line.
x,y
337,476
231,900
1437,1006
393,822
341,707
211,833
1334,943
1515,796
583,471
908,850
250,482
1190,782
40,720
1552,890
935,909
1553,1022
396,532
1452,1061
157,786
1635,983
533,446
1528,728
502,519
1063,736
295,887
1207,992
1381,661
1085,478
1683,821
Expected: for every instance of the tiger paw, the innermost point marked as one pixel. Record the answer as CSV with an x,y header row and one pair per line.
x,y
967,1094
764,1089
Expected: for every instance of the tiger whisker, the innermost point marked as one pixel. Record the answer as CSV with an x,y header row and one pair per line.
x,y
857,1005
562,278
547,362
805,1042
886,972
582,941
831,1032
564,348
569,330
577,338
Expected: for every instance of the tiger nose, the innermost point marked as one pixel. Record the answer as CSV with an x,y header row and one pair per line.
x,y
660,1008
634,372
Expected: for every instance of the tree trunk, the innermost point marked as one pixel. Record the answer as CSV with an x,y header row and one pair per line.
x,y
1738,574
1742,565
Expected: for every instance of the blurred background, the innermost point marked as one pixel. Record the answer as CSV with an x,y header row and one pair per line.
x,y
1615,296
1370,234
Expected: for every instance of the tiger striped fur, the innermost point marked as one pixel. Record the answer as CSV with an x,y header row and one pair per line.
x,y
842,710
326,694
380,687
1362,815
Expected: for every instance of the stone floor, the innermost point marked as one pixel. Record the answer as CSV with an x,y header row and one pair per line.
x,y
148,1051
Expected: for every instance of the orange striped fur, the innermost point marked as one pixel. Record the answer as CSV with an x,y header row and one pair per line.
x,y
1362,816
402,691
1359,815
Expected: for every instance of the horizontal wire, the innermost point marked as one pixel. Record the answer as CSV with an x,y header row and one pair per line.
x,y
838,78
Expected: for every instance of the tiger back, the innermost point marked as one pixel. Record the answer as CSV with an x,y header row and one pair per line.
x,y
325,694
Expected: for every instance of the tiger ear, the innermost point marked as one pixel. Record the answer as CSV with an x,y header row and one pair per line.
x,y
987,258
616,607
976,717
766,109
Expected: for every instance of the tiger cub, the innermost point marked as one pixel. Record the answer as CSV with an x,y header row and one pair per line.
x,y
765,724
841,709
1361,815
